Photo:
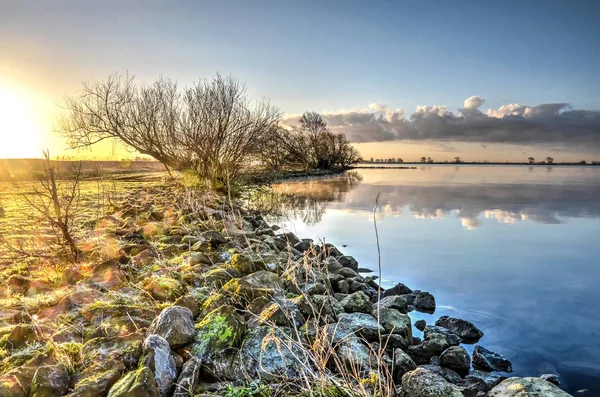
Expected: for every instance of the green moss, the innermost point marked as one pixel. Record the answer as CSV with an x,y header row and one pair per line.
x,y
218,330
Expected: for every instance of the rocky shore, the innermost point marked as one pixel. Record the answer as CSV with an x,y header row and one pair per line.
x,y
191,294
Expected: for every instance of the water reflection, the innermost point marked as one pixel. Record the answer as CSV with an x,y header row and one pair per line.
x,y
568,193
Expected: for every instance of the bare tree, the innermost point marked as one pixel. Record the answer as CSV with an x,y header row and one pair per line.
x,y
211,127
549,160
423,159
531,160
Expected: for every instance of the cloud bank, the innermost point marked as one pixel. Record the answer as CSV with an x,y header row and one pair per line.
x,y
549,123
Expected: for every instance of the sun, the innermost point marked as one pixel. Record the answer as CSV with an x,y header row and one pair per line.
x,y
20,133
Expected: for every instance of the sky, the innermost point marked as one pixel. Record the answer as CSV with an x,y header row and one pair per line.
x,y
480,80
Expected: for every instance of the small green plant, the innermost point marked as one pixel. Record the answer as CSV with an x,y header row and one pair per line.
x,y
253,389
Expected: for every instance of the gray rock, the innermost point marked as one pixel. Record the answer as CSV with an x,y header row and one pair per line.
x,y
282,311
467,331
395,341
457,359
393,302
321,306
434,345
552,378
473,387
486,360
291,238
270,353
357,302
348,262
188,378
490,379
348,273
395,322
402,364
342,286
424,383
534,387
364,325
176,325
214,237
420,325
424,302
253,286
332,264
398,289
161,362
353,355
451,337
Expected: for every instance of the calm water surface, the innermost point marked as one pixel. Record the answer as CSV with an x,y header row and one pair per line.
x,y
512,249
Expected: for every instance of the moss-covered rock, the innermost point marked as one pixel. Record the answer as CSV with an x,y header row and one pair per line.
x,y
220,329
97,379
176,325
164,289
220,276
252,286
138,383
127,349
246,265
50,381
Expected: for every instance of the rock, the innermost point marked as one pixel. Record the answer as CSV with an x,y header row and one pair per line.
x,y
22,335
395,341
332,264
552,378
127,349
97,379
420,325
396,302
161,362
219,329
364,270
164,289
364,325
357,285
220,276
402,364
354,356
398,289
303,245
486,360
244,265
357,302
348,273
451,337
490,379
50,381
395,322
315,288
190,303
457,359
138,383
521,387
255,285
424,383
283,312
269,353
434,345
187,379
176,325
291,238
348,262
215,238
467,331
472,387
223,365
342,286
424,302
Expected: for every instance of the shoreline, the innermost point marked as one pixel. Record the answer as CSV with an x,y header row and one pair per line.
x,y
211,295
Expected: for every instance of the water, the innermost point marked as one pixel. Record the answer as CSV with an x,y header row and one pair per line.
x,y
513,249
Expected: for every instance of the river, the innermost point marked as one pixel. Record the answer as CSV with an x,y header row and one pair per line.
x,y
514,249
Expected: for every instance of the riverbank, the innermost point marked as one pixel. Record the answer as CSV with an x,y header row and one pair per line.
x,y
185,291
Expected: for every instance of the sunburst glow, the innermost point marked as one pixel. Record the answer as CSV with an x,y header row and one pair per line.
x,y
20,134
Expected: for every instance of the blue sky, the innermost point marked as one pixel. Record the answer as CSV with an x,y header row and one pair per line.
x,y
316,55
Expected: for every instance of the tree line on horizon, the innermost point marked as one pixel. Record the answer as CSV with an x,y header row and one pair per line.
x,y
210,127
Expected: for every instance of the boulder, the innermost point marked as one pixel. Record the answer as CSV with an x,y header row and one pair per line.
x,y
423,302
127,349
346,272
282,311
552,378
396,302
354,356
187,379
451,337
473,387
219,276
255,285
467,331
245,265
486,360
424,383
522,387
457,359
50,381
402,364
220,329
214,238
395,322
398,289
138,383
434,345
364,325
160,360
349,262
357,302
420,325
176,325
164,289
269,353
97,379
